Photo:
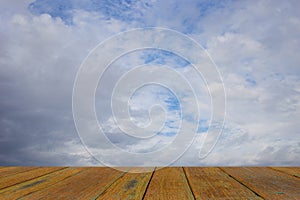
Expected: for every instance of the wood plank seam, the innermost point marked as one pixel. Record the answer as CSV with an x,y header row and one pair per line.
x,y
53,183
84,171
268,183
74,190
282,176
293,175
257,194
168,183
3,189
189,184
131,186
31,178
108,185
148,183
19,172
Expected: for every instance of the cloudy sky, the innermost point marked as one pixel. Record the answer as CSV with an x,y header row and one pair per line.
x,y
254,44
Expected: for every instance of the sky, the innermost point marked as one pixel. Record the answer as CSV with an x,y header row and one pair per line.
x,y
253,44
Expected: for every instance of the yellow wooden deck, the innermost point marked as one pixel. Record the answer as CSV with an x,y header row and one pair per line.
x,y
167,183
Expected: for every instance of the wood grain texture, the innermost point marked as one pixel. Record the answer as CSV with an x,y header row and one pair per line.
x,y
86,185
25,176
213,183
268,183
166,183
131,186
8,171
36,184
294,171
169,183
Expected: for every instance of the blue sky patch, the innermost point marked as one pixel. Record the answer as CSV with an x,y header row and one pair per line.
x,y
163,57
127,10
250,80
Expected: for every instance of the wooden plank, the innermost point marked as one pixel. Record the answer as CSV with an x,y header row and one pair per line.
x,y
36,184
7,168
25,176
131,186
268,183
213,183
86,185
7,171
169,183
294,171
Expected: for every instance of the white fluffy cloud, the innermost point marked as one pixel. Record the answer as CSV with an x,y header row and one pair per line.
x,y
255,44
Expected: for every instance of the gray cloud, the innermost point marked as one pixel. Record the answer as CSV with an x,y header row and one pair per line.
x,y
254,44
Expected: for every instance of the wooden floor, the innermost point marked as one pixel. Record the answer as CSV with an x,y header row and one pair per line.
x,y
167,183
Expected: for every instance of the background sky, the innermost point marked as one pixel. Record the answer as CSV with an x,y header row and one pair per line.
x,y
254,43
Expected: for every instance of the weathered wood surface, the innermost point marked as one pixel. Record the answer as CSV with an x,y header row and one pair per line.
x,y
294,171
85,185
267,183
131,186
213,183
169,183
139,183
25,176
